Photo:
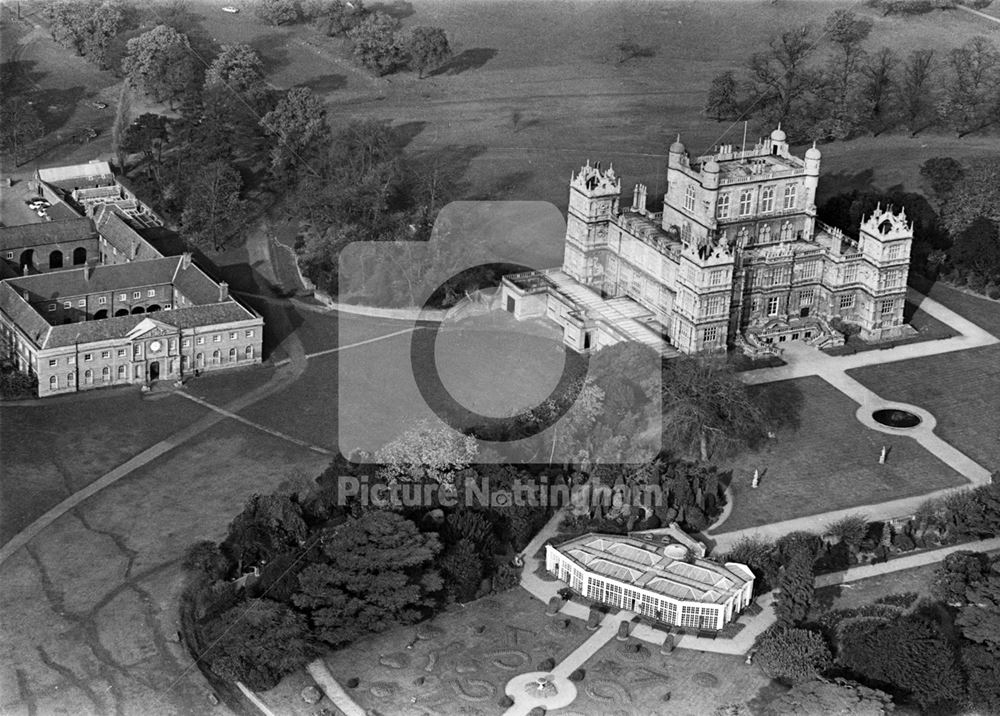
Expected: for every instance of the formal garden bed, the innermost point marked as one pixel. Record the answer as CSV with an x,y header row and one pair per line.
x,y
458,662
631,677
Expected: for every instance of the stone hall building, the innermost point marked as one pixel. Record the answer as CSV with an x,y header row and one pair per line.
x,y
736,257
88,303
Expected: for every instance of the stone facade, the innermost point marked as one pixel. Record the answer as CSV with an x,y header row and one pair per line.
x,y
736,256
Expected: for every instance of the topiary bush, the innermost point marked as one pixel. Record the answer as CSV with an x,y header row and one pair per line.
x,y
352,683
547,665
506,702
578,675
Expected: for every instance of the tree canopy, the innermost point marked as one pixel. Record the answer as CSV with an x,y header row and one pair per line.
x,y
160,63
707,409
375,573
791,655
427,48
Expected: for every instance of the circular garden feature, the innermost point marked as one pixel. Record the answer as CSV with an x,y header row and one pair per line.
x,y
896,418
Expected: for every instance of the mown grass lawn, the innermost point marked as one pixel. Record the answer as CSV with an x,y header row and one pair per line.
x,y
56,448
828,461
961,389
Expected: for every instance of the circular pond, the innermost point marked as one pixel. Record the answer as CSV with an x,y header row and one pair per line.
x,y
895,418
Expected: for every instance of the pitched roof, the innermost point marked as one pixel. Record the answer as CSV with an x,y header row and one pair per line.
x,y
75,282
111,224
71,176
47,232
22,314
656,565
195,285
111,328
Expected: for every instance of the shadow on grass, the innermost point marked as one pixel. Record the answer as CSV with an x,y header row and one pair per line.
x,y
469,60
782,404
325,83
845,182
56,106
273,51
19,76
405,132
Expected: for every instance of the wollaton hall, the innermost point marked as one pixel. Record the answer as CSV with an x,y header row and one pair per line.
x,y
736,257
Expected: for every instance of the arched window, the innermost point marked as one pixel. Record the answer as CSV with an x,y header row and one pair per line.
x,y
88,377
689,198
216,357
122,375
53,383
743,236
786,231
767,199
765,234
70,378
55,259
199,360
249,352
233,355
106,373
121,312
27,260
79,256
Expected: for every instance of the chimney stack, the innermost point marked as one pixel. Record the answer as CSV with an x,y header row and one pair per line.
x,y
223,291
88,269
185,260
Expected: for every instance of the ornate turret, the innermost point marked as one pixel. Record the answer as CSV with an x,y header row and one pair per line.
x,y
592,181
884,225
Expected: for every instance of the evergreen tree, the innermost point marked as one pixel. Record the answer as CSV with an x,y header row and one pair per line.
x,y
791,655
462,569
376,573
723,97
796,587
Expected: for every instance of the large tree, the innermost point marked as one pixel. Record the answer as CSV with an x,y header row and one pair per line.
x,y
160,63
972,96
427,48
268,525
427,452
19,125
910,653
213,210
723,101
238,68
276,12
258,642
780,75
821,697
123,118
707,409
796,587
791,655
298,125
916,90
375,573
376,43
976,195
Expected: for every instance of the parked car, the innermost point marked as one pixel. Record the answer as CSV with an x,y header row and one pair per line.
x,y
99,105
230,9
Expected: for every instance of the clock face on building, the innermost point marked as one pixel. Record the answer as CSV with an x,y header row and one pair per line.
x,y
155,346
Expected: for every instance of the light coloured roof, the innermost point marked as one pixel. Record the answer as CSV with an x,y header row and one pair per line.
x,y
89,172
642,560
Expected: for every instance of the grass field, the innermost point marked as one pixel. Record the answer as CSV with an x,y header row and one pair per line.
x,y
982,311
488,370
961,389
52,450
828,462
